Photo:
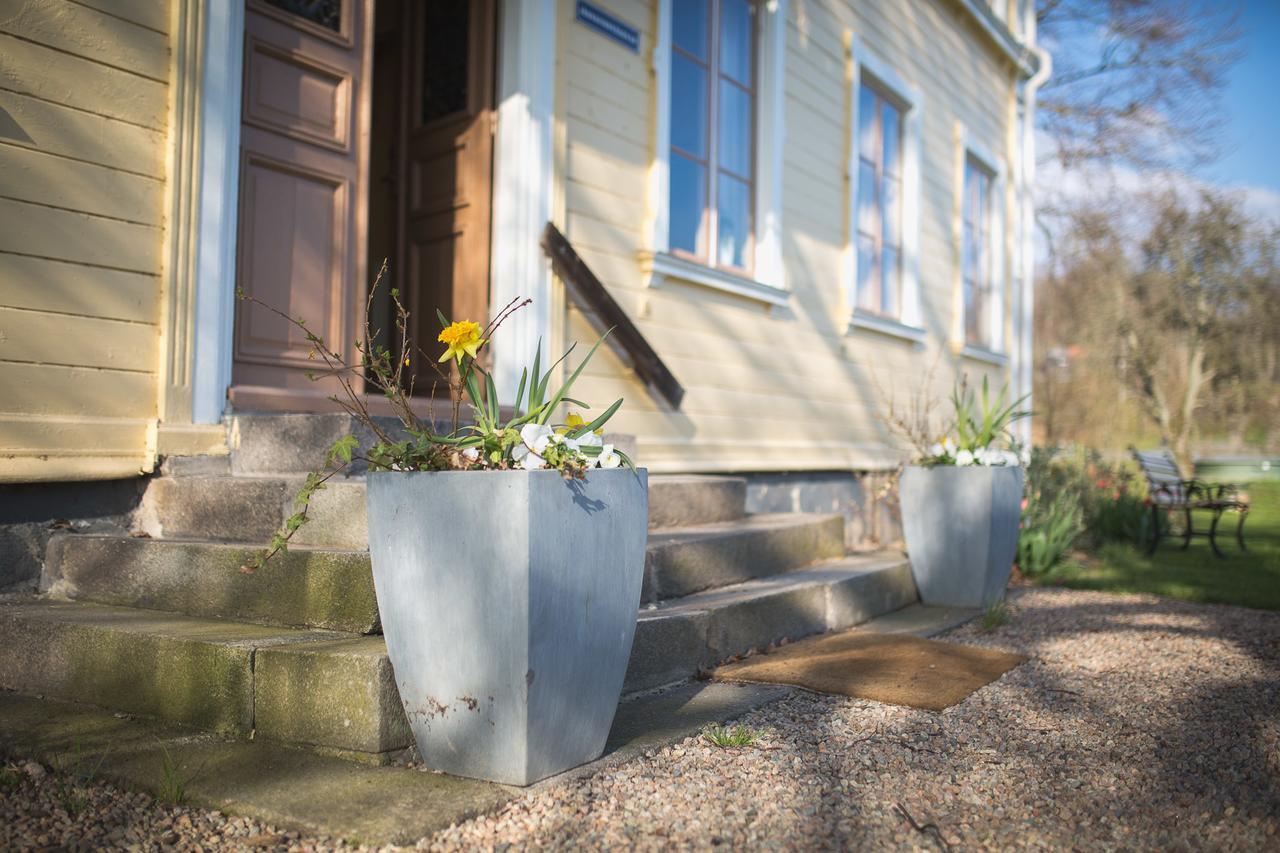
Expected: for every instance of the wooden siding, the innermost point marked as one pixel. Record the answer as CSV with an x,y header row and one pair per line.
x,y
83,115
794,387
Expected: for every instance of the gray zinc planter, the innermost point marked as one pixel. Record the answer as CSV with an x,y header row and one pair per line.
x,y
508,600
961,528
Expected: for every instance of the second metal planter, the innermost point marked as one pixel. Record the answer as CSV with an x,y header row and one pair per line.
x,y
961,529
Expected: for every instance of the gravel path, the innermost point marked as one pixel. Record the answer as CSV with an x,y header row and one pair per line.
x,y
1139,723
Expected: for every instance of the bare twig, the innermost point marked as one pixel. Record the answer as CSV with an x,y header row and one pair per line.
x,y
929,829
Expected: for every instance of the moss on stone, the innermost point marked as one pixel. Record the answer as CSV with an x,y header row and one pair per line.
x,y
338,694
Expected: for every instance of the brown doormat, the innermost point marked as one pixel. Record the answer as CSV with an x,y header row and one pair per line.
x,y
900,669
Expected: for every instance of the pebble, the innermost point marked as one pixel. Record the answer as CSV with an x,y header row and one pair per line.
x,y
1138,723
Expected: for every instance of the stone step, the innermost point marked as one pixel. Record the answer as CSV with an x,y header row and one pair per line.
x,y
685,560
303,588
252,508
335,692
677,638
285,443
291,443
332,589
681,500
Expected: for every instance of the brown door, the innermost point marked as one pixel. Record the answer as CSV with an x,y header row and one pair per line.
x,y
303,165
446,152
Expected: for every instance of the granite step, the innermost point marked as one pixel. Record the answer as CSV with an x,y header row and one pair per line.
x,y
674,639
296,443
246,508
335,691
331,588
684,560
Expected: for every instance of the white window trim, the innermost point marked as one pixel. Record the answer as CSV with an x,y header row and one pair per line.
x,y
912,100
972,148
977,353
887,326
768,282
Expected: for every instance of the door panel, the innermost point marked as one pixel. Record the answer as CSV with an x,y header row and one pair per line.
x,y
297,97
447,120
297,237
304,159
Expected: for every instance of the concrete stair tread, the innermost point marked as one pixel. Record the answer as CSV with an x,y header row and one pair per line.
x,y
760,521
307,587
325,587
335,691
822,573
683,561
332,691
160,623
251,506
219,544
676,638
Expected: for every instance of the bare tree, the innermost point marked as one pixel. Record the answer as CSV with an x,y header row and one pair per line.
x,y
1135,82
1175,326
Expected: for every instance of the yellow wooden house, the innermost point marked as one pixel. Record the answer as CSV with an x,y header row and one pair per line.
x,y
799,204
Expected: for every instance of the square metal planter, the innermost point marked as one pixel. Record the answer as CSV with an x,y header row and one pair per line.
x,y
509,601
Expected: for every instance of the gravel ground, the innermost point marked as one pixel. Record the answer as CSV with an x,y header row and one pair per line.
x,y
1140,722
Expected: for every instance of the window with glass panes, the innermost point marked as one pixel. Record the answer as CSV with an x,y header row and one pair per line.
x,y
879,188
975,257
712,157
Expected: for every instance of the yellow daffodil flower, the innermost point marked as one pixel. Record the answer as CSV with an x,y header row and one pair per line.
x,y
575,420
461,338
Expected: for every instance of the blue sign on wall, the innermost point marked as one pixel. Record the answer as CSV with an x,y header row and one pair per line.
x,y
607,25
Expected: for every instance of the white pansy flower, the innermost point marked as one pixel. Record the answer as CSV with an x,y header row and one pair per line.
x,y
1010,458
1026,456
471,453
589,439
948,446
608,458
936,450
964,457
528,460
536,436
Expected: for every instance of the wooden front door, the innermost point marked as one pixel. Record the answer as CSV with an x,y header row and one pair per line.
x,y
303,165
446,164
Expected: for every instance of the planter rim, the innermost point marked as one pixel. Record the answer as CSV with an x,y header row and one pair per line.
x,y
966,467
515,472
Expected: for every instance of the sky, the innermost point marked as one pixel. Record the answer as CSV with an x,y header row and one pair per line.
x,y
1252,134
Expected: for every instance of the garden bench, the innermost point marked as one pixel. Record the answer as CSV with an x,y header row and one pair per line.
x,y
1169,493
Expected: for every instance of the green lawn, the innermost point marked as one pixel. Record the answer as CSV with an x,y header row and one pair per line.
x,y
1251,579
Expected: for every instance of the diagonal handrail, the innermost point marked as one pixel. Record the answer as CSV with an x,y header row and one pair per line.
x,y
590,294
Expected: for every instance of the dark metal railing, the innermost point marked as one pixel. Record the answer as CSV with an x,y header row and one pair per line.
x,y
592,296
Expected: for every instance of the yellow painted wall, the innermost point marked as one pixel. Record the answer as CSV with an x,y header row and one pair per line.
x,y
794,387
83,113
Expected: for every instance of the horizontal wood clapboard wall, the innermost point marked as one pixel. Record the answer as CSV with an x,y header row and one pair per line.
x,y
83,113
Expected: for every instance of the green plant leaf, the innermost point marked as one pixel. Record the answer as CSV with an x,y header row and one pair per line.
x,y
598,422
491,399
533,375
444,321
564,389
524,377
546,378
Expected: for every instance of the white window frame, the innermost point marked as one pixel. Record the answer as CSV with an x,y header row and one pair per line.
x,y
972,149
867,67
768,280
